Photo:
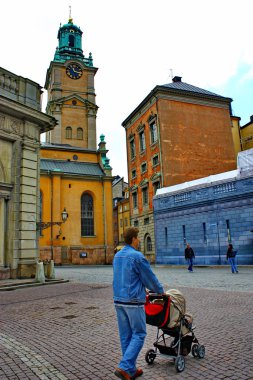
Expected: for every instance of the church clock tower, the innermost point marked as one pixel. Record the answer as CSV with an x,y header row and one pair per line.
x,y
76,211
71,92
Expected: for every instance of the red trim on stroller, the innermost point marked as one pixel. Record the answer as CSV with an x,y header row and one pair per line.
x,y
157,314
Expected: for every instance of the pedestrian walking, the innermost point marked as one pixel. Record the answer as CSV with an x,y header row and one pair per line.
x,y
132,275
231,254
189,256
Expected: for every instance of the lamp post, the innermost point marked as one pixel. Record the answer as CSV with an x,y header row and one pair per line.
x,y
44,225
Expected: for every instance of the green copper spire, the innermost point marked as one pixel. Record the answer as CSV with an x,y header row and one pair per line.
x,y
70,44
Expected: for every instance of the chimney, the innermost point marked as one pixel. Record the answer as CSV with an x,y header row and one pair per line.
x,y
251,118
177,79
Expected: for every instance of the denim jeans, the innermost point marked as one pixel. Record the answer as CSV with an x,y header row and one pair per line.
x,y
132,332
190,262
233,265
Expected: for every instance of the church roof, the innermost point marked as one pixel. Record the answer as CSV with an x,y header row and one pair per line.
x,y
70,167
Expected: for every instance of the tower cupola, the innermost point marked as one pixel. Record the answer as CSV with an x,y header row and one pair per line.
x,y
70,44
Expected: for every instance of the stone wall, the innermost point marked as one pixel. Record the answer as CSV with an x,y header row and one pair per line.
x,y
208,218
77,255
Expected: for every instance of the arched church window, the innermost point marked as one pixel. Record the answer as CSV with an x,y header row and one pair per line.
x,y
71,41
87,215
79,134
68,133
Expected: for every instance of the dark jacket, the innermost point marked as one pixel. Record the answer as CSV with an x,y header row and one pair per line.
x,y
231,253
189,253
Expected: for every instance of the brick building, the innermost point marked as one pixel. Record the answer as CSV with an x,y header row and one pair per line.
x,y
247,134
121,212
178,133
208,213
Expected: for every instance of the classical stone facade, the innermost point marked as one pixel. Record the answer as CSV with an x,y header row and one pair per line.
x,y
21,123
208,213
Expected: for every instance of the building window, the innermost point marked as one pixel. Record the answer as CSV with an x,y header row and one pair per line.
x,y
155,160
142,141
132,149
204,233
144,167
79,134
146,221
166,236
228,231
148,244
153,132
71,41
145,196
126,222
156,186
136,223
121,223
68,133
133,173
184,235
134,196
87,215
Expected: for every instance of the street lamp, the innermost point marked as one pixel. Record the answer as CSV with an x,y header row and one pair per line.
x,y
44,225
64,215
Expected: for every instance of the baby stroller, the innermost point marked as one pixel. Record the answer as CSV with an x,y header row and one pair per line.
x,y
175,336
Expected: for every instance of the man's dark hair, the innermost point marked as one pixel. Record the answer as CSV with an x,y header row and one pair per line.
x,y
129,234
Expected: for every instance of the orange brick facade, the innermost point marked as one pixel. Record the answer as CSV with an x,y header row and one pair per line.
x,y
192,139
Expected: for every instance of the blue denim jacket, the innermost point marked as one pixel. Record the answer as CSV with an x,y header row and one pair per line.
x,y
131,275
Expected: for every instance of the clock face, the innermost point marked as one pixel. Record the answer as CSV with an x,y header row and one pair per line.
x,y
74,71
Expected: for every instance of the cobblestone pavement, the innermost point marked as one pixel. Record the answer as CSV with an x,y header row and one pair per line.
x,y
68,331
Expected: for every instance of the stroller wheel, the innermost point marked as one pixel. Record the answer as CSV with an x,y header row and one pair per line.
x,y
195,350
180,363
201,352
150,356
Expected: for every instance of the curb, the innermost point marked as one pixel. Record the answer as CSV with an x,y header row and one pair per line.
x,y
14,286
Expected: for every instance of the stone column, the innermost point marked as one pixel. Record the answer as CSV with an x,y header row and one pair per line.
x,y
2,231
92,135
29,181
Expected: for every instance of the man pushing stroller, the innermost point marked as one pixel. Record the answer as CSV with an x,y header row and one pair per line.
x,y
132,274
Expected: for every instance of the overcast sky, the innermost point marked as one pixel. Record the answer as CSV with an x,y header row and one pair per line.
x,y
136,45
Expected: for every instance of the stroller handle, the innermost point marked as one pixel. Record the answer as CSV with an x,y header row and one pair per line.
x,y
152,295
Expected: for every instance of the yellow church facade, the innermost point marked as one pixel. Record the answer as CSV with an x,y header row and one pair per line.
x,y
76,210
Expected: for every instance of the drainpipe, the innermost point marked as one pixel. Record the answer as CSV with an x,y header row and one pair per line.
x,y
51,215
159,141
104,221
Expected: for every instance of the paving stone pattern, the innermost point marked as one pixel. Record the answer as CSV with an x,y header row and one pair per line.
x,y
69,330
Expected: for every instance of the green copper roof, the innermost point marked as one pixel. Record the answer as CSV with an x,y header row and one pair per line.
x,y
70,44
70,167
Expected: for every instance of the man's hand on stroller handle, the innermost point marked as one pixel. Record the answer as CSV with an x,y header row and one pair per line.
x,y
158,295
